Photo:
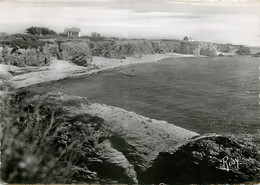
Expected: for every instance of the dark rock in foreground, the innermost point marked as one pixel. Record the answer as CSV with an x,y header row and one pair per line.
x,y
207,159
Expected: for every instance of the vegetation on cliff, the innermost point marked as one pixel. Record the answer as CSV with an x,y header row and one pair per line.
x,y
40,31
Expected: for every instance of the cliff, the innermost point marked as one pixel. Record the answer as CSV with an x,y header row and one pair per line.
x,y
23,50
69,139
132,48
126,48
25,57
76,51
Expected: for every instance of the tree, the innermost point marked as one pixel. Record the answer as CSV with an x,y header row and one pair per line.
x,y
40,31
95,34
185,38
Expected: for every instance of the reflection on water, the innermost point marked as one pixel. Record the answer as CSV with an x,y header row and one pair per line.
x,y
218,94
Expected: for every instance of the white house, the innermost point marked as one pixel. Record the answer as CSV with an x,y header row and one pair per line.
x,y
74,32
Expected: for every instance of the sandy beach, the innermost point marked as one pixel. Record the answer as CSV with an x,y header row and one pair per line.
x,y
59,69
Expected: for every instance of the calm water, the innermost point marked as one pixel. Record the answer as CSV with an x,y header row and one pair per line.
x,y
217,95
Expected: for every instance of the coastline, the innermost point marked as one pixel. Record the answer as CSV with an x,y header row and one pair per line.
x,y
59,69
152,143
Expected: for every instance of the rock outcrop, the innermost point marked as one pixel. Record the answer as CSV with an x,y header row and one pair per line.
x,y
208,159
121,48
243,50
75,51
25,57
84,141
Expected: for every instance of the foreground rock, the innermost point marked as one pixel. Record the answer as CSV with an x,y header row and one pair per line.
x,y
208,159
66,139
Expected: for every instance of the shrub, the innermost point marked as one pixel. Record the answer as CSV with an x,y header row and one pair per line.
x,y
22,41
94,39
42,143
40,31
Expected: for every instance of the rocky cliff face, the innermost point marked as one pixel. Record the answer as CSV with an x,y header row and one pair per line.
x,y
243,50
80,51
75,51
121,49
133,48
67,139
23,57
136,48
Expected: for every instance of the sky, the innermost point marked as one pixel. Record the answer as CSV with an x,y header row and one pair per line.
x,y
225,21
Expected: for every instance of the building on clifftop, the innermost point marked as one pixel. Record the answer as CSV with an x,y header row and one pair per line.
x,y
73,32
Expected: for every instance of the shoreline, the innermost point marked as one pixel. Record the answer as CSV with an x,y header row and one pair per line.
x,y
59,69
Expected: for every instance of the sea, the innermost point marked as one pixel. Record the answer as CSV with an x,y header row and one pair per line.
x,y
203,94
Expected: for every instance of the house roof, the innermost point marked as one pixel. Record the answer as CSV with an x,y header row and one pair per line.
x,y
73,29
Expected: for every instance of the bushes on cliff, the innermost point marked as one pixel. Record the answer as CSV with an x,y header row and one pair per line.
x,y
40,31
22,41
25,44
94,39
42,143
